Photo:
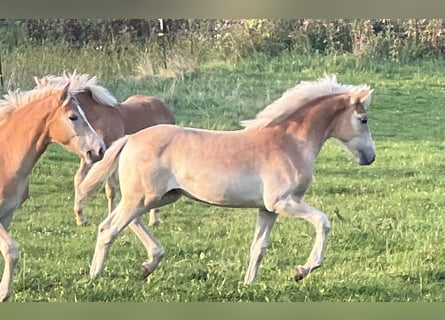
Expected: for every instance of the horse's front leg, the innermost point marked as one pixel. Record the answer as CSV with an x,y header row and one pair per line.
x,y
153,217
109,229
10,252
154,248
299,209
78,198
264,224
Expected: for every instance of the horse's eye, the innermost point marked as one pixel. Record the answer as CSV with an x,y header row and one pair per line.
x,y
363,120
73,117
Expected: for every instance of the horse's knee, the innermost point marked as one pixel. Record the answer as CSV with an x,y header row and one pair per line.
x,y
79,196
106,235
321,223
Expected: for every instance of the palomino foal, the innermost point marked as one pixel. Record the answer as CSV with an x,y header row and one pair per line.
x,y
268,165
29,122
111,120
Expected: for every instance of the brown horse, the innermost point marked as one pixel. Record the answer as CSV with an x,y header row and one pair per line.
x,y
111,120
29,122
268,165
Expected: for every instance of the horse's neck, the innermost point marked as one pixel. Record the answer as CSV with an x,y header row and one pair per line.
x,y
23,139
313,125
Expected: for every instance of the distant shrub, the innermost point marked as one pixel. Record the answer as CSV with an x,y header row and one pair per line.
x,y
231,39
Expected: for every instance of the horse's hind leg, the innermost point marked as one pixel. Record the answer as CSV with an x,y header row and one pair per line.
x,y
154,248
265,222
110,191
167,198
10,252
110,228
78,200
299,209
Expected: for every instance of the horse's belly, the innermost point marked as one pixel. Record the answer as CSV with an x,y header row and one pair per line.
x,y
236,192
247,198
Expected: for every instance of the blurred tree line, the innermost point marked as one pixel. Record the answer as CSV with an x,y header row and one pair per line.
x,y
394,39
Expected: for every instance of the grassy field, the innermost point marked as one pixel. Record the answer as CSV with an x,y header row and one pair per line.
x,y
387,236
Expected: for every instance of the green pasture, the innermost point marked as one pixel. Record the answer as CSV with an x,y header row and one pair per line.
x,y
387,238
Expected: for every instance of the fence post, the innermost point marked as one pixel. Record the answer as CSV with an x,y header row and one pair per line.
x,y
162,34
1,72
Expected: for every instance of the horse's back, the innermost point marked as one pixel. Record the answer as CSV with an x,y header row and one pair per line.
x,y
153,138
144,111
193,144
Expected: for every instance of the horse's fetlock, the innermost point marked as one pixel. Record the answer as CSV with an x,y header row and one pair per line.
x,y
327,227
325,223
159,252
13,252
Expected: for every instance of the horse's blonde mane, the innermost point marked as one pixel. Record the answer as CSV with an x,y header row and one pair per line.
x,y
298,96
80,83
14,100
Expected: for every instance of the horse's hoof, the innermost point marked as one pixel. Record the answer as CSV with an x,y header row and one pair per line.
x,y
82,223
4,297
145,272
300,273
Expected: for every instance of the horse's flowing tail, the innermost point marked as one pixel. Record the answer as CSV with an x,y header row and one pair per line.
x,y
102,169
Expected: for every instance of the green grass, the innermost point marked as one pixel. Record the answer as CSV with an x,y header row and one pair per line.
x,y
387,236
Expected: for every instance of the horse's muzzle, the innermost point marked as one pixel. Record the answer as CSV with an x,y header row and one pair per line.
x,y
94,156
365,161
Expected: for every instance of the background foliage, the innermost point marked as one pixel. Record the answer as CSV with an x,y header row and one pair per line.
x,y
389,38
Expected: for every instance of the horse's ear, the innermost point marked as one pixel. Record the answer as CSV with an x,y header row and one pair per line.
x,y
363,97
64,97
37,81
41,82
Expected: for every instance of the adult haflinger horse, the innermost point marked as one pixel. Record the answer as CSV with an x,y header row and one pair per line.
x,y
111,120
268,165
29,122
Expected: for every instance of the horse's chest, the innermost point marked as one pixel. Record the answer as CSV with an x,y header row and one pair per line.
x,y
13,194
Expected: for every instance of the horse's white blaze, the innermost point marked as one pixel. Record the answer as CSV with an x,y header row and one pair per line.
x,y
362,145
95,136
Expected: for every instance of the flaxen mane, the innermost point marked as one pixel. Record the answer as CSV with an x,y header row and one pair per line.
x,y
298,96
80,83
17,99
